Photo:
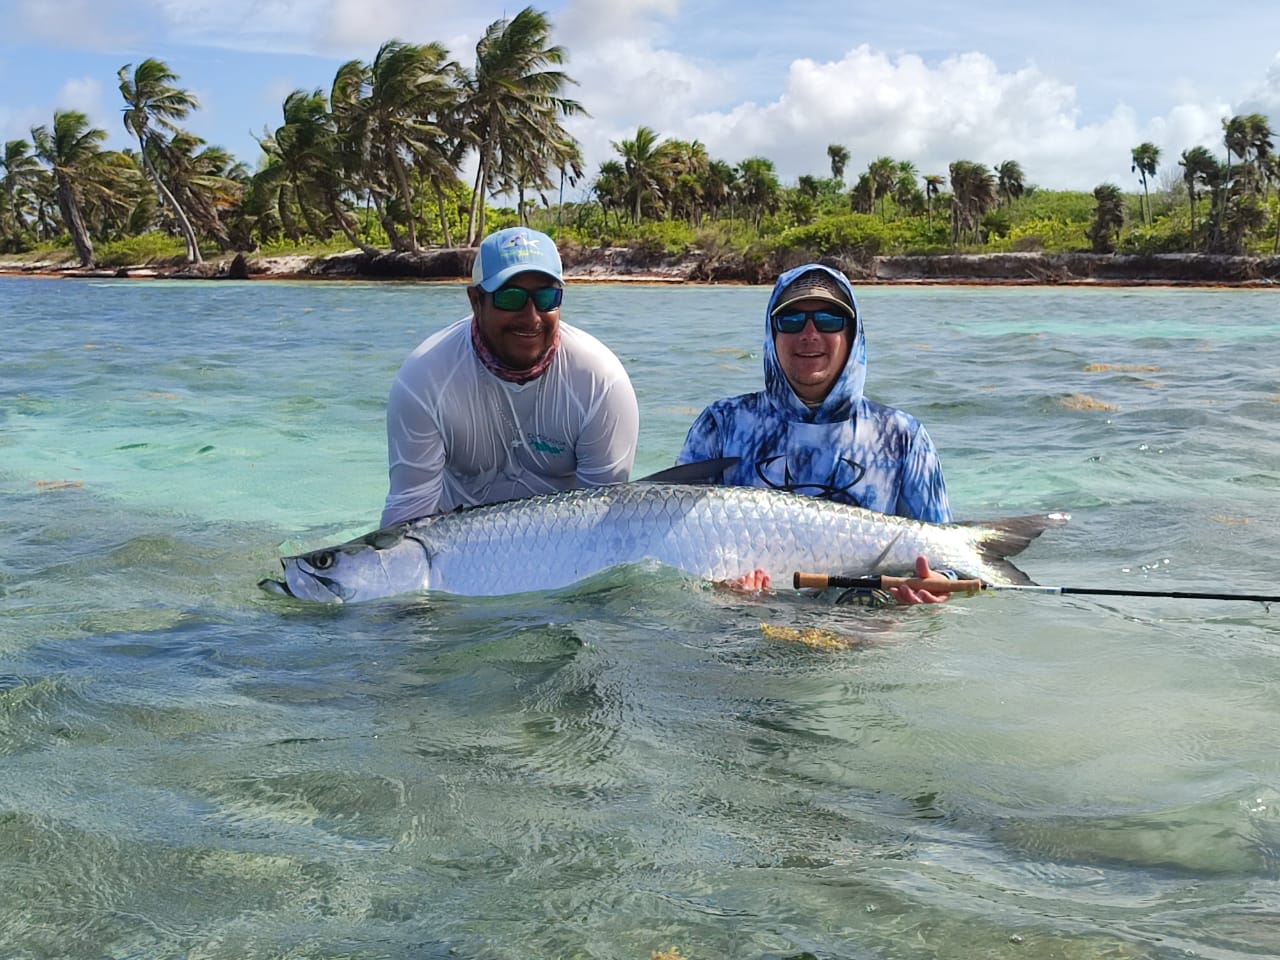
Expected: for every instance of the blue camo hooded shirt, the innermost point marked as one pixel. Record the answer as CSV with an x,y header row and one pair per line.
x,y
849,449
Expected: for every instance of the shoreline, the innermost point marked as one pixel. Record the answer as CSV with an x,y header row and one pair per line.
x,y
622,265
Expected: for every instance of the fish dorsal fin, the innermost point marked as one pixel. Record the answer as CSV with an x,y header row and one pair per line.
x,y
700,471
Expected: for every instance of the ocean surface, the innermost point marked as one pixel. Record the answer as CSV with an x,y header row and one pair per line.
x,y
641,764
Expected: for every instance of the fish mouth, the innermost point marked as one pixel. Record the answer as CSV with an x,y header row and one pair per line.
x,y
314,587
277,588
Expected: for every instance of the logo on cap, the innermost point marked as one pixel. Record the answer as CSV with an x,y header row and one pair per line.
x,y
519,247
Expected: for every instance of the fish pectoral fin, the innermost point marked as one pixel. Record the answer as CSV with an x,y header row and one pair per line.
x,y
877,563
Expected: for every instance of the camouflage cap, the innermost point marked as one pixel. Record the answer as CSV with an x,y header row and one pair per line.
x,y
815,285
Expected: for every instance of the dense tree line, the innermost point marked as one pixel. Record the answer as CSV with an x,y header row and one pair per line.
x,y
377,158
377,161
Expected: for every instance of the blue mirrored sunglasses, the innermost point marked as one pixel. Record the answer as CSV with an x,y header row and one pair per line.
x,y
824,321
514,298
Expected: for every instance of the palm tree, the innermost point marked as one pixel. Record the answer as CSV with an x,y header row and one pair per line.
x,y
907,197
391,117
513,102
1235,136
1263,149
44,204
1244,215
932,187
565,157
760,189
1270,174
153,106
295,153
839,157
208,183
642,160
1271,169
610,188
719,185
1249,138
116,198
1108,218
21,171
70,150
1198,167
973,193
686,165
883,173
302,153
862,198
1009,182
531,170
1146,157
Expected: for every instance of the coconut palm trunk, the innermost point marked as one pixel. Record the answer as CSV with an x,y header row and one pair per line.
x,y
441,205
73,217
167,198
475,221
406,192
344,224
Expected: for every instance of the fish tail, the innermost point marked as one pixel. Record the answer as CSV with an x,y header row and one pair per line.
x,y
1008,537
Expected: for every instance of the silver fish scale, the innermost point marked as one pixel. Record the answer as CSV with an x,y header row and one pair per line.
x,y
713,532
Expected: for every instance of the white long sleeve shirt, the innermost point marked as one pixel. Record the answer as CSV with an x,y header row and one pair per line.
x,y
457,435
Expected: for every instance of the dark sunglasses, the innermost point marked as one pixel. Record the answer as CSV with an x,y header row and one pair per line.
x,y
824,321
514,298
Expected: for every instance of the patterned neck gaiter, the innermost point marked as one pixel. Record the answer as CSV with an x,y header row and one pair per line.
x,y
501,370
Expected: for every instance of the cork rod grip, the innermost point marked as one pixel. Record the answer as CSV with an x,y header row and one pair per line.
x,y
937,585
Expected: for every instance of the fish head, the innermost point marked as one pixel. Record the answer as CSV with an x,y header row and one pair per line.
x,y
379,564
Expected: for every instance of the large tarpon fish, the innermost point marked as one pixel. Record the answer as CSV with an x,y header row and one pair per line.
x,y
714,532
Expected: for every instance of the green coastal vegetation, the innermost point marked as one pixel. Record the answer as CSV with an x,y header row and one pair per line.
x,y
377,160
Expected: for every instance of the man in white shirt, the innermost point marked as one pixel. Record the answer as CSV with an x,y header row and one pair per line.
x,y
508,402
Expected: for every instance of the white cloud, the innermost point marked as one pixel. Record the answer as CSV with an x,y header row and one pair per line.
x,y
263,26
636,85
87,24
596,24
357,28
85,94
964,107
1265,98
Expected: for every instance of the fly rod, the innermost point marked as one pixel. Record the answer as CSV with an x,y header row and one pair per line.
x,y
942,585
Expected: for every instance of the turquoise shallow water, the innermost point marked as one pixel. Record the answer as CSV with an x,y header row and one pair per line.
x,y
193,768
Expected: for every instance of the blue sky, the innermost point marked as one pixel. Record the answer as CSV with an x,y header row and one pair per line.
x,y
1066,89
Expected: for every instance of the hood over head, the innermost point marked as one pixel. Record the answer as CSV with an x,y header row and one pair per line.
x,y
813,281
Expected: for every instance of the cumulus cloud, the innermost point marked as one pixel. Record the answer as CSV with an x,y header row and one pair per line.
x,y
962,108
636,86
1265,99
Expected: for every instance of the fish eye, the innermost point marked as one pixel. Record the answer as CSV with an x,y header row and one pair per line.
x,y
323,560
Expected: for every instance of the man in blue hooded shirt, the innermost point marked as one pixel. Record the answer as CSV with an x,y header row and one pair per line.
x,y
812,430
